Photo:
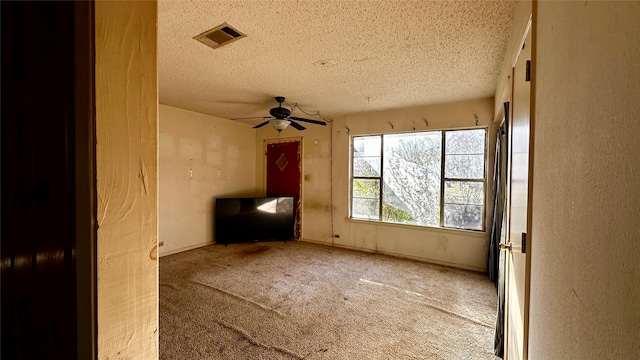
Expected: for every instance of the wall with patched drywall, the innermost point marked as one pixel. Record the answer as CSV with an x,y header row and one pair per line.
x,y
585,241
126,161
201,157
325,187
459,248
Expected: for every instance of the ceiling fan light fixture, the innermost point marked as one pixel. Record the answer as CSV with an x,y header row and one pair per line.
x,y
280,124
281,118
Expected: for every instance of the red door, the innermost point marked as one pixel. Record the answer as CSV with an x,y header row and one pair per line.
x,y
283,174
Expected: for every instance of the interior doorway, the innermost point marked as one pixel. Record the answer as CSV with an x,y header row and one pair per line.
x,y
283,171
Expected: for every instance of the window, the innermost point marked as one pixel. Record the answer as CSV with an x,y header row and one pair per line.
x,y
434,178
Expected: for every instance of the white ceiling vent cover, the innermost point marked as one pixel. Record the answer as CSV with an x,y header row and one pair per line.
x,y
219,36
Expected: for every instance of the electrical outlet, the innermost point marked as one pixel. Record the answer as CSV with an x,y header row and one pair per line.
x,y
337,236
161,243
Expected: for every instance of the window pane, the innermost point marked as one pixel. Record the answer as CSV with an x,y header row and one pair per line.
x,y
411,166
463,192
365,208
366,146
412,173
365,188
463,216
366,166
464,166
465,141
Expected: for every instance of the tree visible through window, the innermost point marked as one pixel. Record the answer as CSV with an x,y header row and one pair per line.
x,y
434,178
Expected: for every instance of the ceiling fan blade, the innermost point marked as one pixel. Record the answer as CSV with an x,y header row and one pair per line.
x,y
296,125
261,124
252,117
318,122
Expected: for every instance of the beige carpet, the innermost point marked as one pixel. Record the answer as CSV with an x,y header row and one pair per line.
x,y
296,300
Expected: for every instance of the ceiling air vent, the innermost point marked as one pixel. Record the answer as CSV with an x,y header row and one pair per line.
x,y
219,36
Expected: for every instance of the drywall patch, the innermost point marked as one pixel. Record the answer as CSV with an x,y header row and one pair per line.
x,y
190,149
166,145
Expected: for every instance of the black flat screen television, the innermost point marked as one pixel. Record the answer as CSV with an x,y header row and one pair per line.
x,y
254,219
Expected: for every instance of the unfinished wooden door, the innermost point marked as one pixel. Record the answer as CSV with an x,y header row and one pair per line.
x,y
48,181
517,291
283,160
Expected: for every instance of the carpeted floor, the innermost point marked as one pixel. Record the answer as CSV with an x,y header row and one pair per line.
x,y
296,300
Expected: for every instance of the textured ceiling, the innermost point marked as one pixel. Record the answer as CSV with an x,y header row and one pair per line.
x,y
387,54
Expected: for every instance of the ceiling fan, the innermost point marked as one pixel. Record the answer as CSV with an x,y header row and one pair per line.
x,y
281,118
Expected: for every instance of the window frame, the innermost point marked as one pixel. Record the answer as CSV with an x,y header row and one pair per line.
x,y
443,178
379,178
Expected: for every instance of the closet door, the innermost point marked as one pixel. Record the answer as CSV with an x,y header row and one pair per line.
x,y
518,258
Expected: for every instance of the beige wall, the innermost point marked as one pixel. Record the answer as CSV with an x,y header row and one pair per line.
x,y
464,249
201,157
126,159
316,167
326,165
585,247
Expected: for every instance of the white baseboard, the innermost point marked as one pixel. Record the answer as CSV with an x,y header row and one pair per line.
x,y
418,258
183,249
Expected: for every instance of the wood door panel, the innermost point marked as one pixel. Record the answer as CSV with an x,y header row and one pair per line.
x,y
283,169
516,310
518,277
283,175
39,247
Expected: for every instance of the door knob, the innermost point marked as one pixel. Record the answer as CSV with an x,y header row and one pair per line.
x,y
506,246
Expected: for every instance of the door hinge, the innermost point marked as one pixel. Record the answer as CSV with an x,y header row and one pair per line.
x,y
524,243
528,71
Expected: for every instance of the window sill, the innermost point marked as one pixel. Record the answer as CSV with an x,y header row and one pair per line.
x,y
473,233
